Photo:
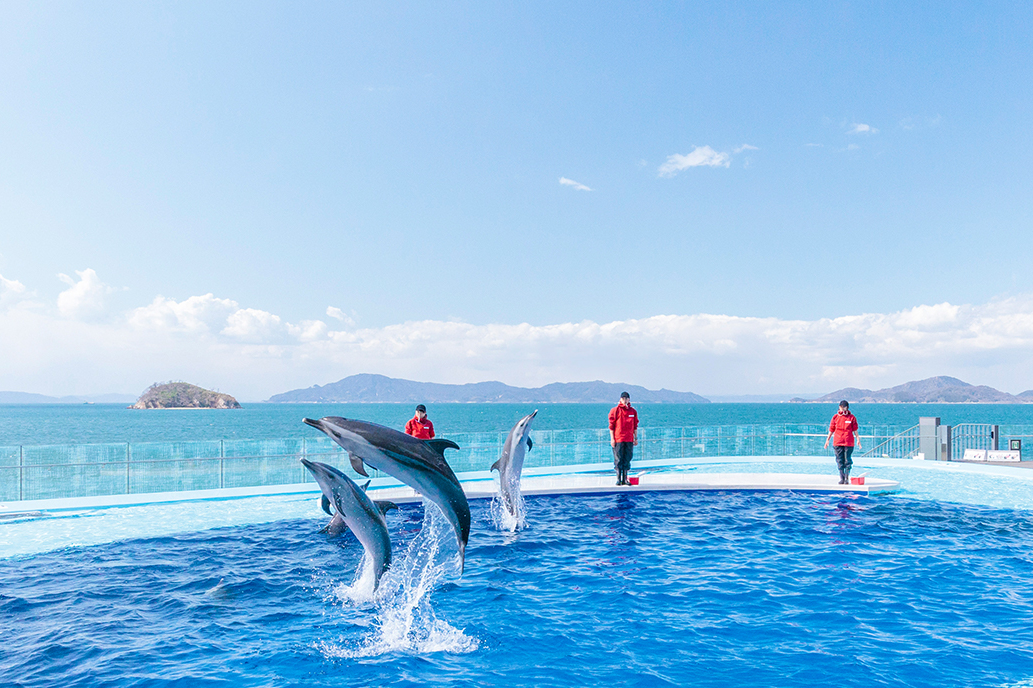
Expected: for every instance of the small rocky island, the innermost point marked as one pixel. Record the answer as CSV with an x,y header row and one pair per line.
x,y
172,395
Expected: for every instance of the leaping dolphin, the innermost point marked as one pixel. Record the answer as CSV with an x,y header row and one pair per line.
x,y
336,526
511,463
420,464
356,511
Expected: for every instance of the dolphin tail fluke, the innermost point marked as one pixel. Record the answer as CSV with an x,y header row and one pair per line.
x,y
325,503
357,465
495,467
385,506
440,445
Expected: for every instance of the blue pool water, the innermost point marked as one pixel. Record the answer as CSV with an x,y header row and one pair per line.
x,y
745,589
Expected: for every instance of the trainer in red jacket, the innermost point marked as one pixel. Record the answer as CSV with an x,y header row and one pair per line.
x,y
623,436
845,435
419,426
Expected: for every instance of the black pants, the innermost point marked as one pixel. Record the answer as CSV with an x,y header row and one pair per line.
x,y
843,461
622,452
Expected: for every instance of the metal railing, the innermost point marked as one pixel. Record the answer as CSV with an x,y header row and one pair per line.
x,y
903,445
971,436
86,470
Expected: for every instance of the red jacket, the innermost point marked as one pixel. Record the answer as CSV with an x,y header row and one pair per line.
x,y
843,429
420,429
623,423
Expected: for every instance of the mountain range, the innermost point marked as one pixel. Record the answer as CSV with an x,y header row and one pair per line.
x,y
933,390
366,388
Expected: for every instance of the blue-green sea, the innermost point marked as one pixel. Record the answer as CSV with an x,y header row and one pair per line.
x,y
93,423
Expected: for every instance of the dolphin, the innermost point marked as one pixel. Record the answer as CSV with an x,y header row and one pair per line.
x,y
356,511
420,464
511,463
336,526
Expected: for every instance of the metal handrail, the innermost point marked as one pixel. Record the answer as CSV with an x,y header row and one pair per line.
x,y
910,433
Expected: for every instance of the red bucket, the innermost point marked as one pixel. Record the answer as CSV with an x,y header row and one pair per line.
x,y
633,480
857,481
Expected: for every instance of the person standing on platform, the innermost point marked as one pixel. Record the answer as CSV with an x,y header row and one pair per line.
x,y
623,436
844,433
419,426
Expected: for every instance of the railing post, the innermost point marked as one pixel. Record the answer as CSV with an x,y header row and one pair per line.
x,y
21,472
995,436
222,460
128,455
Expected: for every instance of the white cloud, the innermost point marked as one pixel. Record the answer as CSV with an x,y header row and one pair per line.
x,y
909,123
198,314
704,156
11,290
338,314
862,129
744,147
255,326
570,182
84,299
254,353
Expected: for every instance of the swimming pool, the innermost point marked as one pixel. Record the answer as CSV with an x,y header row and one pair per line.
x,y
749,589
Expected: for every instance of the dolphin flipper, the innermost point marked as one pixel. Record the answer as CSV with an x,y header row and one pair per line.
x,y
357,465
385,506
530,444
325,503
495,467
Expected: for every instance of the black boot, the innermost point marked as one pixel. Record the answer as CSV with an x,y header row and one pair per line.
x,y
842,477
846,477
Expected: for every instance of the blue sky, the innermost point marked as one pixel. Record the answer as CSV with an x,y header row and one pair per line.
x,y
394,174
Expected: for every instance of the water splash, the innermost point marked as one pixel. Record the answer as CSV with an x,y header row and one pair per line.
x,y
405,620
360,591
502,517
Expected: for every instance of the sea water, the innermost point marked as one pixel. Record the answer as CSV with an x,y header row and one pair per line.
x,y
96,423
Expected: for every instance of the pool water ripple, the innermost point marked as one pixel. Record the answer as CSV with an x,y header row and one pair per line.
x,y
745,589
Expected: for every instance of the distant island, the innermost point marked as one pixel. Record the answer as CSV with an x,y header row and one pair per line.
x,y
180,395
369,388
933,390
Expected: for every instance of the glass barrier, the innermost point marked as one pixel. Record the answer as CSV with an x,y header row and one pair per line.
x,y
86,470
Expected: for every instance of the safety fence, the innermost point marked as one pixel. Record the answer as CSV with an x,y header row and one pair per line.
x,y
87,470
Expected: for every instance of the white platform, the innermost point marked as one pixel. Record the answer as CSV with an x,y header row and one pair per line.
x,y
657,482
577,479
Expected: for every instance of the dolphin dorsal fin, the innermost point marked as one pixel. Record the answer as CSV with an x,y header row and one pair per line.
x,y
495,467
325,503
357,465
385,505
440,445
